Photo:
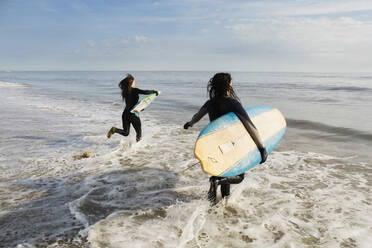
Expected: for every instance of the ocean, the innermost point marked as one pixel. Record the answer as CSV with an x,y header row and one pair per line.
x,y
64,184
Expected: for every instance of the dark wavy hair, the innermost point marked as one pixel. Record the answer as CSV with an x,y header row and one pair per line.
x,y
126,85
220,85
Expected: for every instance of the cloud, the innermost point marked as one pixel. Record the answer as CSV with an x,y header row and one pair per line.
x,y
321,7
170,19
141,39
123,41
79,6
306,35
91,43
44,6
48,9
197,10
215,33
114,47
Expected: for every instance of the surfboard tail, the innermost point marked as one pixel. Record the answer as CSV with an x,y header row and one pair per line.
x,y
225,148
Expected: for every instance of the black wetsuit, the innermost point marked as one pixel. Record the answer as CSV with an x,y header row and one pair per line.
x,y
130,118
217,108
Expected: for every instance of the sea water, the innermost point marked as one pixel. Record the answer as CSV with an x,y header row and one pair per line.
x,y
64,184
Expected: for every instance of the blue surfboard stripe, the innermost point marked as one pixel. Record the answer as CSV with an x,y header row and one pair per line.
x,y
231,119
254,158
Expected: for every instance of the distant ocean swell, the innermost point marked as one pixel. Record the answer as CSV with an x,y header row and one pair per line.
x,y
350,89
341,131
315,88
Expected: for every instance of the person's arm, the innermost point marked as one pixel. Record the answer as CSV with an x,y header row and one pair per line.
x,y
252,130
203,111
146,92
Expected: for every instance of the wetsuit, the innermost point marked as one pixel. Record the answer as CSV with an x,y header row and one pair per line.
x,y
130,118
215,109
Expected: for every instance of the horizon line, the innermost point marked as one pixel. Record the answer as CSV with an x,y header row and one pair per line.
x,y
248,71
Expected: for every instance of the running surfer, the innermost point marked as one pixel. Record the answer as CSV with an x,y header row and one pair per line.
x,y
130,95
222,101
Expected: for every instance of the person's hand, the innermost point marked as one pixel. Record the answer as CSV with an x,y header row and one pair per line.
x,y
187,125
263,154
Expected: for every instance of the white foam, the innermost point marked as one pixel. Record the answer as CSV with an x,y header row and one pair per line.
x,y
193,226
294,200
174,230
25,245
74,209
11,84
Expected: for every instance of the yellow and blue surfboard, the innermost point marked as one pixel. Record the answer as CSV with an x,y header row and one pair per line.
x,y
225,148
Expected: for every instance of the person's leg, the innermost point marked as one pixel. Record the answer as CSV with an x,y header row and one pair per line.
x,y
126,126
136,122
124,132
226,181
212,193
225,189
225,185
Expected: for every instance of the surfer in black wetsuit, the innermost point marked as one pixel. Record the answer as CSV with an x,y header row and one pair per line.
x,y
130,95
222,101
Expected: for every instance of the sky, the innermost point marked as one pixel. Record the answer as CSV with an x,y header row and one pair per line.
x,y
195,35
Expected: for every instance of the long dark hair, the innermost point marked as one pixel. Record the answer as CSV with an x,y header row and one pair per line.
x,y
126,85
220,85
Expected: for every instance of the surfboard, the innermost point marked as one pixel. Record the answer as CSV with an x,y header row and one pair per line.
x,y
144,103
225,148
